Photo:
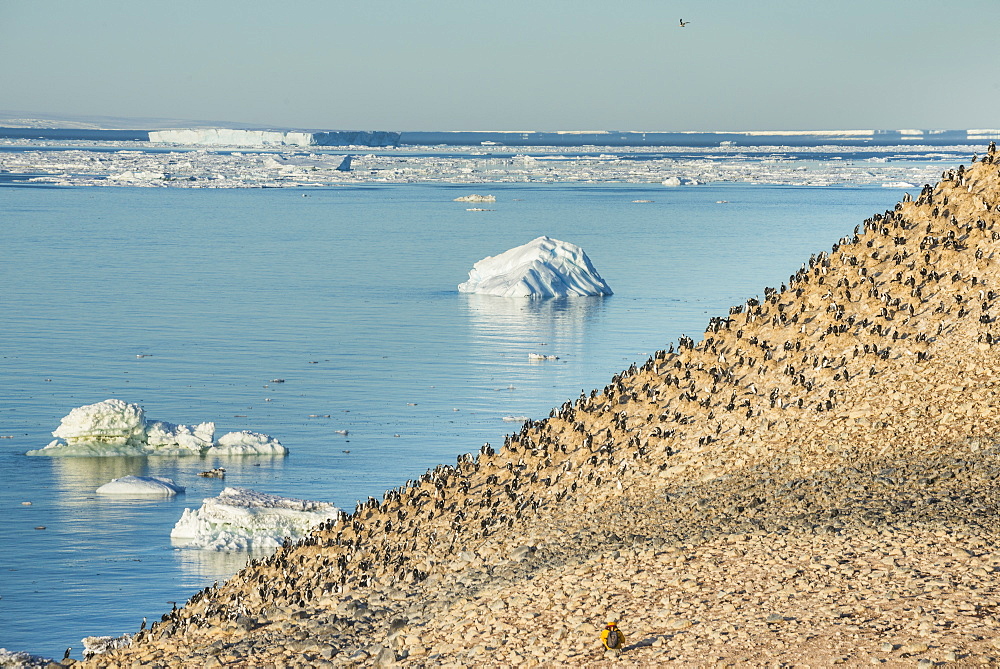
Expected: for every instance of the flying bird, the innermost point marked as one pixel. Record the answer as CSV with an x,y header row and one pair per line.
x,y
684,23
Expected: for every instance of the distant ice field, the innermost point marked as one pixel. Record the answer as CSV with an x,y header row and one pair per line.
x,y
303,317
138,164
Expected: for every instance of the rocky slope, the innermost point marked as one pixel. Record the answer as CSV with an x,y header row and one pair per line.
x,y
813,482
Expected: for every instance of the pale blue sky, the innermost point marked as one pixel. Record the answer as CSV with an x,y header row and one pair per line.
x,y
510,64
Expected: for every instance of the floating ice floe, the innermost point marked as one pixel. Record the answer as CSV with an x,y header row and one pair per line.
x,y
115,427
246,443
899,184
678,181
544,267
476,198
98,645
247,520
167,437
141,486
21,659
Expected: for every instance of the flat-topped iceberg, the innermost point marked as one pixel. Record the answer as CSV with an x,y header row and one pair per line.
x,y
115,427
544,267
141,486
247,520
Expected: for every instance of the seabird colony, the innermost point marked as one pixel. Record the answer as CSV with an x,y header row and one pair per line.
x,y
814,480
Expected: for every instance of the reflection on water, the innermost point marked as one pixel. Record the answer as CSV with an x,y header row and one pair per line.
x,y
87,474
199,566
508,339
516,323
82,474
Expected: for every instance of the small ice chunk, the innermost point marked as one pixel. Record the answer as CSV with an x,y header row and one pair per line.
x,y
21,659
247,443
247,520
164,437
476,198
97,645
899,184
544,267
141,486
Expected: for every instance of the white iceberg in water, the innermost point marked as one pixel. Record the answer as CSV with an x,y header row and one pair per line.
x,y
111,422
544,267
141,486
476,198
169,439
114,427
246,520
246,443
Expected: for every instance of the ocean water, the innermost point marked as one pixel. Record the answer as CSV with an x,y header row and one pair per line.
x,y
349,296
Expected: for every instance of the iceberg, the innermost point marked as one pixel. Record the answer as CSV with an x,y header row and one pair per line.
x,y
140,486
170,439
115,427
475,197
246,443
231,137
246,520
240,137
544,267
113,422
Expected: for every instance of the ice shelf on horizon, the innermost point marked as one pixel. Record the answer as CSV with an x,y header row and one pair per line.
x,y
238,137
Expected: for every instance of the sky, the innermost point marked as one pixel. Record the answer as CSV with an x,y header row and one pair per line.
x,y
539,65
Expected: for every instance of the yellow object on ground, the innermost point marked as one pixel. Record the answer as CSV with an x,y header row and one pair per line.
x,y
612,637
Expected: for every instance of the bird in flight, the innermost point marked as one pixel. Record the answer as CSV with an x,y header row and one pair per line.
x,y
684,23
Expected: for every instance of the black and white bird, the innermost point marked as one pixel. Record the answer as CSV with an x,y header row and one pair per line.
x,y
684,23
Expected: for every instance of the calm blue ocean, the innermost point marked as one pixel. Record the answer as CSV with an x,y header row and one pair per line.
x,y
349,295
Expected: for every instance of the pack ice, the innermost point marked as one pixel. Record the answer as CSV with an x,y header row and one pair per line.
x,y
544,267
247,520
115,427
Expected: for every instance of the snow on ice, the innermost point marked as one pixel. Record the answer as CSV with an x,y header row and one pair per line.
x,y
544,267
22,659
247,520
115,427
291,166
141,486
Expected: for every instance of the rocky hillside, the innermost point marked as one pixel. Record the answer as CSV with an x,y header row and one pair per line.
x,y
813,482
